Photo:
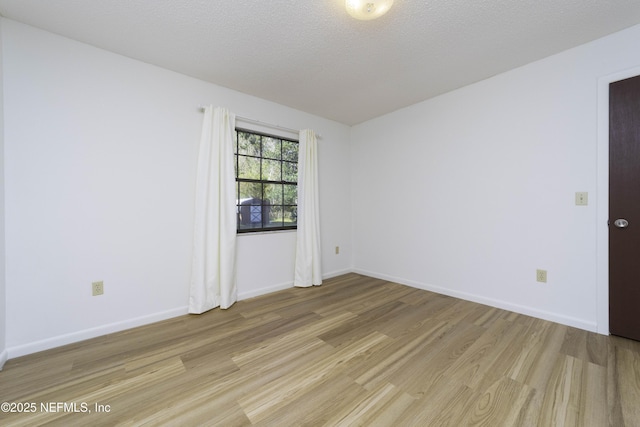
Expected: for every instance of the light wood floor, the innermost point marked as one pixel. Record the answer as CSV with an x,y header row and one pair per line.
x,y
355,351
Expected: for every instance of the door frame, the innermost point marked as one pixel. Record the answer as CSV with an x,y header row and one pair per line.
x,y
602,198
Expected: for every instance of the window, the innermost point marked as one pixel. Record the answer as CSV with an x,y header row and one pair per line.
x,y
266,182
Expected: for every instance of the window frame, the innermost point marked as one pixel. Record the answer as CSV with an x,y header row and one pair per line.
x,y
262,182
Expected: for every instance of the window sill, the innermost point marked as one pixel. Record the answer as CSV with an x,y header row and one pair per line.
x,y
254,233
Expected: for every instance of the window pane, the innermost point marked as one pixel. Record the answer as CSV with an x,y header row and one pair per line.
x,y
289,172
250,214
290,194
250,190
271,148
275,217
290,216
290,151
245,225
248,167
248,144
272,170
273,193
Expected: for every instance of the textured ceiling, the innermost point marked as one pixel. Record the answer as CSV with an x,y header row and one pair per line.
x,y
312,56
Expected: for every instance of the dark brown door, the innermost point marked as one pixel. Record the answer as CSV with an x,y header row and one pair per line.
x,y
624,208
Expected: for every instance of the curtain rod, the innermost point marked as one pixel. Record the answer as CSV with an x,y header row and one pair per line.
x,y
269,125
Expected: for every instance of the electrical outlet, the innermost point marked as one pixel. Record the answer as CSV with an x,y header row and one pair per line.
x,y
97,288
541,276
337,250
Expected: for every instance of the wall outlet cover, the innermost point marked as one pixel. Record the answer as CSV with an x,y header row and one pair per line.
x,y
541,276
97,288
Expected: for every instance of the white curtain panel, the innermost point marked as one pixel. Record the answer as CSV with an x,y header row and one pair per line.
x,y
308,262
213,269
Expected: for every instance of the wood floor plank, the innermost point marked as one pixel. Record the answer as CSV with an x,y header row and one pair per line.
x,y
278,393
354,351
381,406
361,325
585,346
444,404
500,404
480,357
539,349
627,373
420,371
383,365
314,408
574,396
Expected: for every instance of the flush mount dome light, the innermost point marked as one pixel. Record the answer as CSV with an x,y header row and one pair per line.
x,y
365,10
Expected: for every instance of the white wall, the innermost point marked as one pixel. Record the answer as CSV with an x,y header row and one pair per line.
x,y
466,194
100,173
3,305
469,193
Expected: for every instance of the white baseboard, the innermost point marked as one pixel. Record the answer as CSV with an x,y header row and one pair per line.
x,y
73,337
264,291
337,273
4,356
505,305
287,285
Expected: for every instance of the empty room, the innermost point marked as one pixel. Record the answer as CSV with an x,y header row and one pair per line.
x,y
326,213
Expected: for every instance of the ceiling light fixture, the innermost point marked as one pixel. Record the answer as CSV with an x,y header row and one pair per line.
x,y
365,10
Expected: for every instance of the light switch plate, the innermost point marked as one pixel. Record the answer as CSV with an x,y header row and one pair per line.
x,y
582,198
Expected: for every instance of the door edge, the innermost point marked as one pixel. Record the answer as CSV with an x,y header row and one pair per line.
x,y
602,197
